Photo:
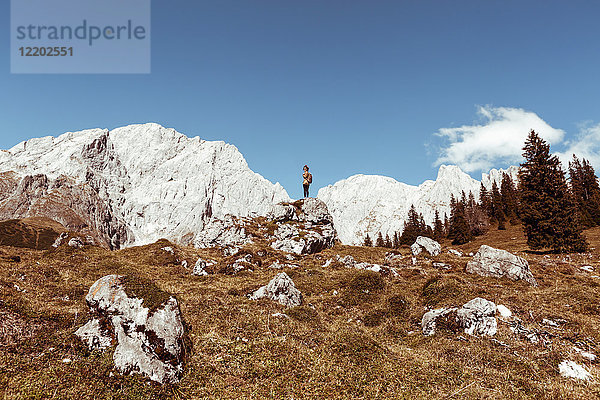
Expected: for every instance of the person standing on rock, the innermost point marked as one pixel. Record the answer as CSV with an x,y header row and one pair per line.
x,y
306,180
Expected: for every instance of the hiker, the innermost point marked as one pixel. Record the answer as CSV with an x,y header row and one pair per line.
x,y
307,180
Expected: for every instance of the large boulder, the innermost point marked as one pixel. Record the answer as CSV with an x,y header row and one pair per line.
x,y
282,212
281,289
148,332
222,233
315,211
477,317
424,243
489,261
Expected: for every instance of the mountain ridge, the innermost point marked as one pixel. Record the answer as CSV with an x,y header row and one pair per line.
x,y
135,184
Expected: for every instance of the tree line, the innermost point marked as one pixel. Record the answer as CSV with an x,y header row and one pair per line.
x,y
552,209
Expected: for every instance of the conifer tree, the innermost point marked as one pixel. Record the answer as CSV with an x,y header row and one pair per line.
x,y
396,243
509,198
586,191
459,230
380,242
388,242
368,242
497,207
412,227
547,208
485,200
438,227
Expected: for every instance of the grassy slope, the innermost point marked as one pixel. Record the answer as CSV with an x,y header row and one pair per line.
x,y
240,350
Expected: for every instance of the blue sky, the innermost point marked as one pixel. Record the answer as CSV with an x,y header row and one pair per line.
x,y
387,87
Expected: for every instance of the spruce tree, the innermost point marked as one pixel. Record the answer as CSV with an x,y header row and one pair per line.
x,y
586,192
388,242
368,242
547,208
412,227
509,198
438,227
459,230
380,242
497,207
396,243
485,200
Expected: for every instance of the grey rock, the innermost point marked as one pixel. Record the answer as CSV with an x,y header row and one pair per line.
x,y
221,233
60,239
149,342
282,212
429,319
477,317
76,242
94,336
424,243
315,211
281,289
500,263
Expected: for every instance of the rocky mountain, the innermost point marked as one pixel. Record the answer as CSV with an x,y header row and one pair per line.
x,y
371,204
135,184
131,185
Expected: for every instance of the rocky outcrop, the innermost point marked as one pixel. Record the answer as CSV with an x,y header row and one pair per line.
x,y
424,243
200,267
148,332
497,263
570,369
477,317
222,233
281,289
307,229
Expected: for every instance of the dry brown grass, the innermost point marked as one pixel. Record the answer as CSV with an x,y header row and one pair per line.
x,y
357,335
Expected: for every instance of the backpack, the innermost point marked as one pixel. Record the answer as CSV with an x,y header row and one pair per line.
x,y
309,178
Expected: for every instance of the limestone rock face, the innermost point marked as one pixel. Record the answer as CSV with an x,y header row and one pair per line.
x,y
424,243
149,340
489,261
132,185
370,204
281,289
315,211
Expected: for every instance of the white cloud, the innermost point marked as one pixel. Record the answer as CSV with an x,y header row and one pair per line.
x,y
585,145
499,139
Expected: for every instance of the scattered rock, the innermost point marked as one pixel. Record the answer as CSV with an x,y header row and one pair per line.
x,y
441,265
570,369
281,289
184,264
76,242
499,263
504,312
168,249
475,317
424,243
455,252
428,322
585,354
149,339
200,267
60,239
587,268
